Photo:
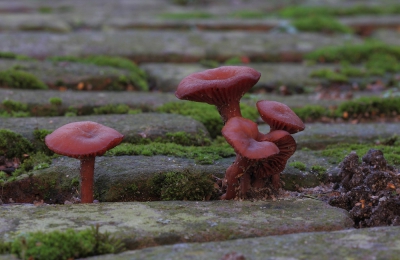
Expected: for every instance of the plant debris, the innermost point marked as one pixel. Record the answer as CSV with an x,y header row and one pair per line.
x,y
369,190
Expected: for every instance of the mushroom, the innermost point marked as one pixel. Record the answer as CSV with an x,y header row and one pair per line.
x,y
242,134
222,87
84,141
279,116
275,164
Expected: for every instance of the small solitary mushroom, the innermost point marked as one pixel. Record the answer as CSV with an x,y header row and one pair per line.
x,y
242,135
279,116
84,141
222,87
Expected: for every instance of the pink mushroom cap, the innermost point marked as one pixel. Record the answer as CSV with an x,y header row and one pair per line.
x,y
83,139
279,116
222,87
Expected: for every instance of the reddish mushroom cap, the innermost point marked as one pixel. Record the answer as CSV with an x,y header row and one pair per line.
x,y
222,87
218,86
83,139
279,116
241,134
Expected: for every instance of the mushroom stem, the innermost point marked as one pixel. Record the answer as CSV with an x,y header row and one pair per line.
x,y
237,170
87,179
229,110
276,181
245,183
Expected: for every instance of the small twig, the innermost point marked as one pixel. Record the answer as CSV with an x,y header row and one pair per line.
x,y
311,197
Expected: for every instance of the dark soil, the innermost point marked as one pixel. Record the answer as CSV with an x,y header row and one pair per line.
x,y
369,190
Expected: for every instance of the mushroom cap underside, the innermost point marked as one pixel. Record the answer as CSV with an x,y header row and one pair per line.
x,y
241,134
218,86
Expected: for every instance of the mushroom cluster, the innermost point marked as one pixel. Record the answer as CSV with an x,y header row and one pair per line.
x,y
260,158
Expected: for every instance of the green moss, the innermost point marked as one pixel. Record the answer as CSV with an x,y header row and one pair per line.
x,y
14,56
56,101
201,154
183,186
183,138
186,15
111,109
318,169
336,153
365,107
11,105
329,75
383,62
135,111
354,53
233,61
45,10
298,165
372,59
38,141
20,79
205,113
350,71
209,63
137,77
249,14
74,182
35,161
320,23
11,108
370,107
304,11
13,145
311,112
69,244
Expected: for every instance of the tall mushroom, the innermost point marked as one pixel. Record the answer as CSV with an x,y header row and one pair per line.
x,y
222,87
279,116
84,141
242,135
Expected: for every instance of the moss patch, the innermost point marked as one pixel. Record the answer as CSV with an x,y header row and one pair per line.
x,y
329,75
336,153
38,141
249,14
20,79
320,24
35,161
370,107
201,154
137,77
13,144
353,53
298,165
363,107
304,11
115,109
205,113
14,56
183,186
186,15
68,244
311,112
11,108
